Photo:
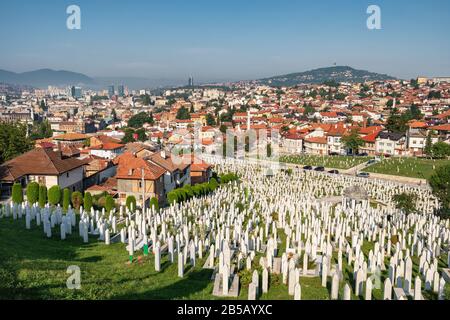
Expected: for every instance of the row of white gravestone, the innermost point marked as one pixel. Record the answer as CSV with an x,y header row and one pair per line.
x,y
49,217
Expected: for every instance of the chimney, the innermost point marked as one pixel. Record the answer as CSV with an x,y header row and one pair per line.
x,y
163,154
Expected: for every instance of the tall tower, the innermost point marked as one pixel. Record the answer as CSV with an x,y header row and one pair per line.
x,y
248,120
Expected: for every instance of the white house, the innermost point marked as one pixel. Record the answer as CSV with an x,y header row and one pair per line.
x,y
44,166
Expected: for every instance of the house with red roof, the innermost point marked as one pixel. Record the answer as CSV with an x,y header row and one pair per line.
x,y
292,143
139,178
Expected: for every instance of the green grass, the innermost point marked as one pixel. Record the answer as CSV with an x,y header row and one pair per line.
x,y
336,162
34,267
407,167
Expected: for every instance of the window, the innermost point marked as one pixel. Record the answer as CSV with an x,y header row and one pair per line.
x,y
67,174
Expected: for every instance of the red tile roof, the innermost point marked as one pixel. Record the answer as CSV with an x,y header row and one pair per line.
x,y
130,167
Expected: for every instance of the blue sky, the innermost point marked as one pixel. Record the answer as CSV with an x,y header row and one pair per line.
x,y
225,40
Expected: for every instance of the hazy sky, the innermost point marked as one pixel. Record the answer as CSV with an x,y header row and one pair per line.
x,y
218,40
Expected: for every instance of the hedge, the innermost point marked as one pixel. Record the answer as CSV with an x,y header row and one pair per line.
x,y
33,192
54,195
17,193
42,196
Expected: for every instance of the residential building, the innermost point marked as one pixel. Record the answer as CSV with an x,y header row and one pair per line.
x,y
44,166
391,144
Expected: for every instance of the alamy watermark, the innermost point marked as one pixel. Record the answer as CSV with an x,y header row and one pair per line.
x,y
73,21
74,280
374,20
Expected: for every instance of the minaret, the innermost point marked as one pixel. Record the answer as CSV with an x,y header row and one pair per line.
x,y
248,120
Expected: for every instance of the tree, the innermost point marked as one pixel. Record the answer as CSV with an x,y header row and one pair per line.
x,y
77,200
434,95
154,203
308,110
87,201
353,142
440,150
13,140
145,99
41,130
33,192
428,150
66,199
414,113
405,202
223,128
114,115
142,136
54,195
210,121
440,186
42,196
396,122
17,193
43,106
109,203
340,96
183,114
138,120
129,136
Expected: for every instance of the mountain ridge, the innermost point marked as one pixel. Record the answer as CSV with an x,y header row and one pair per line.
x,y
320,75
45,77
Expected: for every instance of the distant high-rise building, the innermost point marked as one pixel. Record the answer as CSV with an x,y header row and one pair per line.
x,y
191,81
121,91
110,91
75,92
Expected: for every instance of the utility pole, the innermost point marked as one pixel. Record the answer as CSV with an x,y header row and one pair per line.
x,y
143,190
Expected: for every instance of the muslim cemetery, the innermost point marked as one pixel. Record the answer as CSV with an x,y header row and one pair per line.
x,y
271,234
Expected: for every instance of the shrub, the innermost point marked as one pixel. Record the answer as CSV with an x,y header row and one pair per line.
x,y
213,184
131,200
17,193
109,203
87,201
33,192
154,203
172,197
42,196
77,199
54,195
405,202
66,199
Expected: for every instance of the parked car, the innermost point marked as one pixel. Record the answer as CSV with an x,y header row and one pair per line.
x,y
319,169
334,154
333,171
363,175
364,154
307,168
372,161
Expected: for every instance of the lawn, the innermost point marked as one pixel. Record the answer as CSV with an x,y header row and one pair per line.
x,y
407,167
336,162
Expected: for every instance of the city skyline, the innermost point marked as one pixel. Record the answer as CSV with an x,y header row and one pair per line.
x,y
225,41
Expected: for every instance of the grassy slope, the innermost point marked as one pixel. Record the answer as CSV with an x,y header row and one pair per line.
x,y
407,167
